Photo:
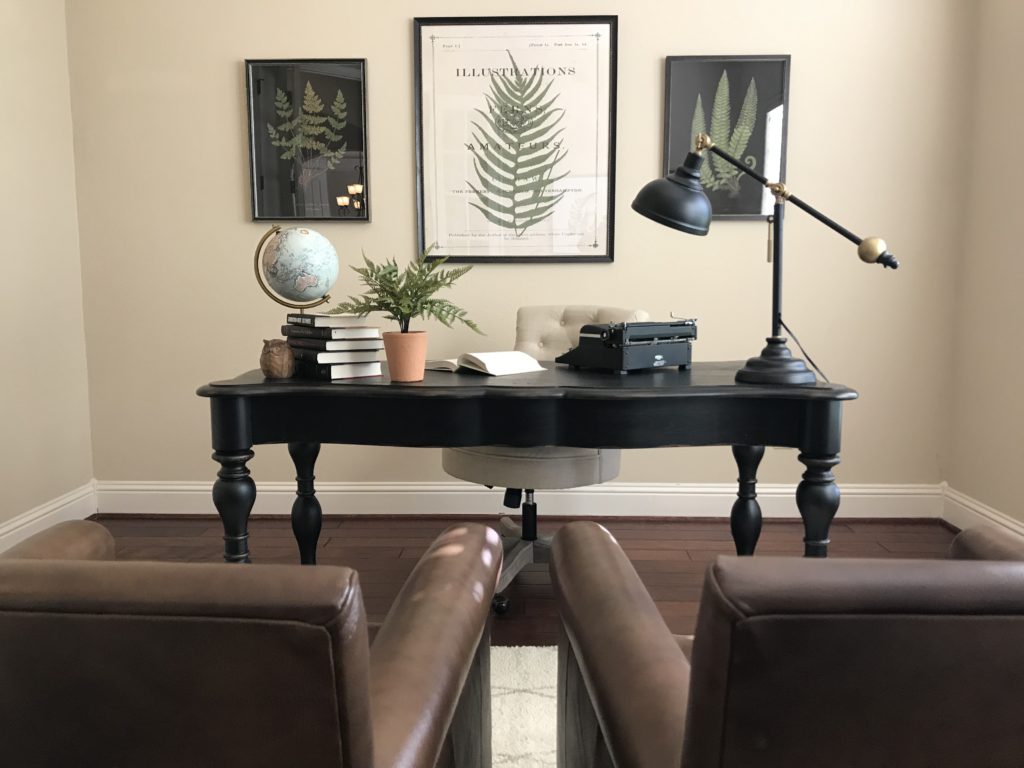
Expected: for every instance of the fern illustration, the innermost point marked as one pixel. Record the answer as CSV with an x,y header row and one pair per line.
x,y
716,173
516,147
698,125
311,135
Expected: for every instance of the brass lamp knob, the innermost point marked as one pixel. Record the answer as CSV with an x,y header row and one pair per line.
x,y
871,248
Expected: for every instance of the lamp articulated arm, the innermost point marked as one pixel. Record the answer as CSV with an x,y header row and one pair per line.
x,y
870,249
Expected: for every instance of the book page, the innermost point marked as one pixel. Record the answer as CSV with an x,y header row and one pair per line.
x,y
500,363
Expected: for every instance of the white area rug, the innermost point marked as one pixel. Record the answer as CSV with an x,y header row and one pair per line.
x,y
523,690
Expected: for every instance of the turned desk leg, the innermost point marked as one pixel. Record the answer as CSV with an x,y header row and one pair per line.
x,y
234,493
746,512
817,498
306,513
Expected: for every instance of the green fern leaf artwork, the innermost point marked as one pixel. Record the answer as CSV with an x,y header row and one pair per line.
x,y
744,128
716,173
516,148
698,125
312,139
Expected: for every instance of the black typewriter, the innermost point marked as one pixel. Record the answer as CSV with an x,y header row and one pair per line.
x,y
623,347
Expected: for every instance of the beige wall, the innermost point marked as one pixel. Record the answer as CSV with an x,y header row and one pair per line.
x,y
45,451
160,138
987,408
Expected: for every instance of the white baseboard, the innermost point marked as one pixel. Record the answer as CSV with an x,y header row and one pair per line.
x,y
73,505
450,498
454,498
963,511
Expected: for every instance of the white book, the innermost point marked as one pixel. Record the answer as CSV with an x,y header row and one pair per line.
x,y
355,370
331,357
339,345
491,363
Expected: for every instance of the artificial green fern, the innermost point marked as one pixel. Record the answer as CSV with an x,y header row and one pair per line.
x,y
515,150
404,294
311,134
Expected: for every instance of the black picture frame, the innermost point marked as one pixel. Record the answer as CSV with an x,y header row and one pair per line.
x,y
330,181
687,78
571,218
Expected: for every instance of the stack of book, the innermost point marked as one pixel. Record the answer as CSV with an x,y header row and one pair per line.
x,y
332,347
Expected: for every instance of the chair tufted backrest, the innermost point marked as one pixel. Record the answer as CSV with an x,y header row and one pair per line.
x,y
548,331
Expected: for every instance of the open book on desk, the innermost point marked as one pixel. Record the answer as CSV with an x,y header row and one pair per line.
x,y
492,363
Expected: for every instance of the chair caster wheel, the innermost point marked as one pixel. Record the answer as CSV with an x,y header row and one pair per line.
x,y
500,605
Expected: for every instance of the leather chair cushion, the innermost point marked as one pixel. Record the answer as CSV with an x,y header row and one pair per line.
x,y
544,467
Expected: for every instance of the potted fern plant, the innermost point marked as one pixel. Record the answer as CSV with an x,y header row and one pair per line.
x,y
402,295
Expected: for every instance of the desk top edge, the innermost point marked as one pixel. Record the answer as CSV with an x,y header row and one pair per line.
x,y
706,379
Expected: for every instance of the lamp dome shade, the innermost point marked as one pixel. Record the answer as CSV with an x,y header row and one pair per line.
x,y
677,200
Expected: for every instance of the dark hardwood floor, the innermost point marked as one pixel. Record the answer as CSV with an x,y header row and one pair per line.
x,y
669,554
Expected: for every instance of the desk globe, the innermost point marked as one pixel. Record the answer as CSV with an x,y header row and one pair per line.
x,y
298,267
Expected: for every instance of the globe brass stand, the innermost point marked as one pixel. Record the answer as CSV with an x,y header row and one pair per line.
x,y
302,307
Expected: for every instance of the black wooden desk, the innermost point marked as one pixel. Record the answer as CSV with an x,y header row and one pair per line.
x,y
643,409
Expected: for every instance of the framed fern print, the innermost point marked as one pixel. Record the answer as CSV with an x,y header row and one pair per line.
x,y
515,120
307,139
742,102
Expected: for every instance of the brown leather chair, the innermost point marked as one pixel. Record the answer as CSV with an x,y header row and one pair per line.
x,y
795,663
167,664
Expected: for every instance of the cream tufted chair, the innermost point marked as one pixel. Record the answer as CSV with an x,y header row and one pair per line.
x,y
543,332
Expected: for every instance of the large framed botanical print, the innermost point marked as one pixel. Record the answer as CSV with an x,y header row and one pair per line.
x,y
515,132
307,139
742,103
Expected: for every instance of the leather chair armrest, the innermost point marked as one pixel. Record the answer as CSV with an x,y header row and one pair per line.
x,y
987,543
70,540
422,654
633,667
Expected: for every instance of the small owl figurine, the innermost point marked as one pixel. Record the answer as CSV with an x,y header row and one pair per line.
x,y
277,360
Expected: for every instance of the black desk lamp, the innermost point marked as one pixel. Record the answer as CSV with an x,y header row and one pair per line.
x,y
678,201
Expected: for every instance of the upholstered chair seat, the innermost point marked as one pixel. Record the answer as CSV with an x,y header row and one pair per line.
x,y
543,468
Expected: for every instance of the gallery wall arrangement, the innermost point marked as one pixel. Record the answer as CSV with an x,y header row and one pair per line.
x,y
307,139
515,131
118,136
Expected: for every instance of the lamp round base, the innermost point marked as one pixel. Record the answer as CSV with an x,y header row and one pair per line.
x,y
775,365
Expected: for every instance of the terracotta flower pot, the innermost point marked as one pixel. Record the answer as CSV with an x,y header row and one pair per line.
x,y
407,354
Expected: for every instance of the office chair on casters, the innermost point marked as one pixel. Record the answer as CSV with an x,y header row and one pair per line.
x,y
544,332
